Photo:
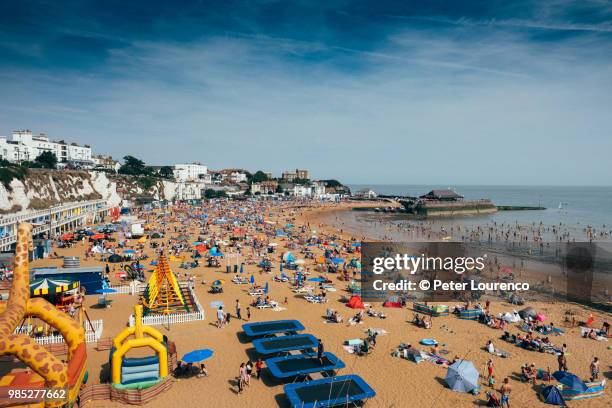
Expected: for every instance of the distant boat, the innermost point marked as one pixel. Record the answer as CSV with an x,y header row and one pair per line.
x,y
562,206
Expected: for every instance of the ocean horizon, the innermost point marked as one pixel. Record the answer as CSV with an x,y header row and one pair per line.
x,y
567,205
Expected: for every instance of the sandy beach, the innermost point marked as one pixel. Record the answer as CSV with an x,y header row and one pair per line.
x,y
397,382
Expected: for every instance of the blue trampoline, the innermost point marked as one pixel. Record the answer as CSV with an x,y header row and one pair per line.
x,y
285,343
272,327
303,364
329,392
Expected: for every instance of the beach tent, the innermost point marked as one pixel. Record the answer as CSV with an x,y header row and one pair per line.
x,y
355,303
114,258
462,376
288,257
570,380
540,317
528,312
551,395
413,355
510,317
51,286
393,301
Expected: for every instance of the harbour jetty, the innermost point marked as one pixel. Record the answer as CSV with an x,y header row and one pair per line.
x,y
446,203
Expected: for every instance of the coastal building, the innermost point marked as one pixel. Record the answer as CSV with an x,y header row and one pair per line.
x,y
238,177
268,174
189,172
103,162
52,222
302,191
264,187
22,146
318,189
289,176
442,195
367,193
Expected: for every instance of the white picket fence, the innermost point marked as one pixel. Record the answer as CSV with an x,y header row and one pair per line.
x,y
174,318
90,336
132,289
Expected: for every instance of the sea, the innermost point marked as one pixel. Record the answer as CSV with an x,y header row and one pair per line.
x,y
584,206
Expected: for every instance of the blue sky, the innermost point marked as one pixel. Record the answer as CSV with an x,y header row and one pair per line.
x,y
436,92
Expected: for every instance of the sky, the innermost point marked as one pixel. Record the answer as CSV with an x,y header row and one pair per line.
x,y
389,92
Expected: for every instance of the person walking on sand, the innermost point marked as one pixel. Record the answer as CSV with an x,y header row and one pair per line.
x,y
562,360
241,378
248,313
505,391
594,368
220,317
238,315
489,370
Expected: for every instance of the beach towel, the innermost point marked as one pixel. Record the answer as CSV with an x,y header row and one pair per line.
x,y
586,330
432,358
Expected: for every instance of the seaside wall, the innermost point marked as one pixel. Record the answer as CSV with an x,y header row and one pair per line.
x,y
42,189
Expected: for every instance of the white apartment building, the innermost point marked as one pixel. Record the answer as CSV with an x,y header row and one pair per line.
x,y
189,172
302,191
22,145
238,177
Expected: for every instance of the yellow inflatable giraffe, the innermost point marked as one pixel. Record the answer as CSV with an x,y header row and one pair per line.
x,y
55,373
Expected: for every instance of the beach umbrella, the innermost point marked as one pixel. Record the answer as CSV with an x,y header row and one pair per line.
x,y
356,244
105,291
316,280
551,395
288,257
196,356
337,261
272,244
266,288
252,280
528,312
51,286
218,282
540,317
570,380
98,236
462,376
67,237
128,251
196,243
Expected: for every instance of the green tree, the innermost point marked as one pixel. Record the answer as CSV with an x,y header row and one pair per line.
x,y
259,176
166,172
47,160
210,193
133,166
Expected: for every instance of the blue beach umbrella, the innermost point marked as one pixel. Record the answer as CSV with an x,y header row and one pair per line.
x,y
356,244
266,288
196,356
128,251
252,280
462,376
316,280
337,260
570,380
106,290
